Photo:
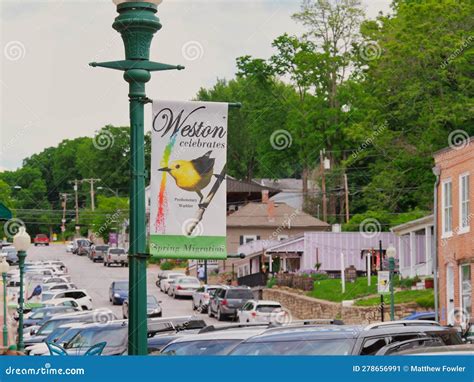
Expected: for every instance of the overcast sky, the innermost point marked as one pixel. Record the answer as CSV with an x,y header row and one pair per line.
x,y
49,93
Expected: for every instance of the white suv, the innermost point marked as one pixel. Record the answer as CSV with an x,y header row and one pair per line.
x,y
80,295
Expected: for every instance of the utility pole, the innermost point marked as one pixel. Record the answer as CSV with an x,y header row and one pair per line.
x,y
346,191
91,181
63,220
76,199
323,184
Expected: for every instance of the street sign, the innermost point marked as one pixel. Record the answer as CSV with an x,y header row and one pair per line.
x,y
383,282
188,189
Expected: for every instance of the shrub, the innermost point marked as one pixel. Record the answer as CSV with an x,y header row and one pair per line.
x,y
425,301
166,266
271,282
407,283
153,260
319,276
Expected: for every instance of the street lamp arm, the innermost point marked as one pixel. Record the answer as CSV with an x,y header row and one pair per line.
x,y
124,65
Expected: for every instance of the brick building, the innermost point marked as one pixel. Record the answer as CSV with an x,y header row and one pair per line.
x,y
455,230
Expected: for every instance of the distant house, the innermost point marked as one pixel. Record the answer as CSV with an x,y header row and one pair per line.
x,y
267,221
332,250
291,190
416,246
455,230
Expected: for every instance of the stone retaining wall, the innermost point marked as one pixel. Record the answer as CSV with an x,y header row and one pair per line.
x,y
304,307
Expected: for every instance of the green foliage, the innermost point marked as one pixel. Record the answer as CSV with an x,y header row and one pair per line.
x,y
319,276
331,289
166,265
250,151
426,301
423,298
109,215
385,219
271,282
407,283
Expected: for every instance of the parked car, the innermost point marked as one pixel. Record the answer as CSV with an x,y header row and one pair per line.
x,y
81,246
153,307
58,286
161,331
184,286
201,297
118,292
10,253
162,275
341,339
226,301
429,316
41,239
114,334
41,315
116,256
40,334
413,343
261,311
80,295
55,280
69,246
61,335
458,350
218,342
98,252
165,282
62,302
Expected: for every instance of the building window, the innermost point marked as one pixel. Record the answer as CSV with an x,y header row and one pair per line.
x,y
447,208
248,238
464,203
466,287
282,237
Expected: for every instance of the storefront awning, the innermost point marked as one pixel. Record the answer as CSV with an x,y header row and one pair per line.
x,y
5,213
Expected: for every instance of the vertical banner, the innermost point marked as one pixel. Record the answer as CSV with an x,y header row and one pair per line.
x,y
188,188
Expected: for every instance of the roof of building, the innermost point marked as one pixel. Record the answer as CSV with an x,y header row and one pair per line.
x,y
248,186
243,186
273,215
425,220
456,145
285,184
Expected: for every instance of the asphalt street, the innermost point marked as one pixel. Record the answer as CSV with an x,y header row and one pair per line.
x,y
96,280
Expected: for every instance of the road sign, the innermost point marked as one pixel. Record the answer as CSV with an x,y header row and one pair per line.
x,y
383,282
188,189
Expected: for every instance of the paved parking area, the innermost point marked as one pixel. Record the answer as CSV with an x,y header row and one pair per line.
x,y
96,279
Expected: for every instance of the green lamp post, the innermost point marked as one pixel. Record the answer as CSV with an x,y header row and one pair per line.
x,y
4,268
21,241
137,23
391,252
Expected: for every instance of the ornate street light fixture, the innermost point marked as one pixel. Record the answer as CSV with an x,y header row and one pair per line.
x,y
21,241
137,23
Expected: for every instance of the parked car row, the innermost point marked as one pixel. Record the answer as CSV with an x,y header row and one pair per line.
x,y
312,338
98,252
75,333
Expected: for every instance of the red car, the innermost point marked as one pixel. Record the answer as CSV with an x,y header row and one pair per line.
x,y
41,239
